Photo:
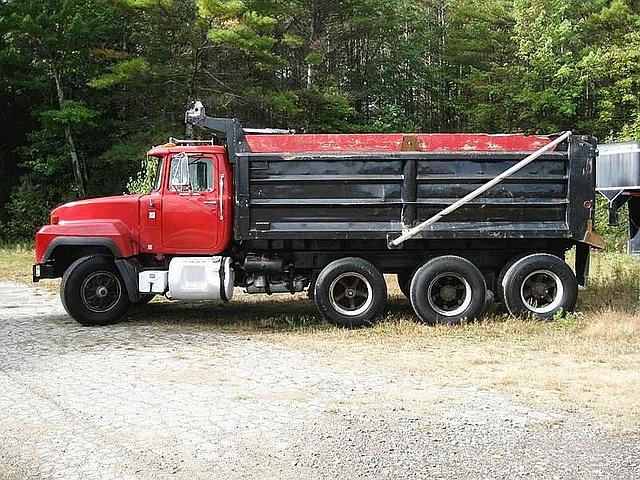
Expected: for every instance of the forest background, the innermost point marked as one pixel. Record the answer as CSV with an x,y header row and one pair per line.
x,y
87,86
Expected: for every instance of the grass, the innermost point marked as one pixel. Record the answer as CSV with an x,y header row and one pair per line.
x,y
15,262
587,361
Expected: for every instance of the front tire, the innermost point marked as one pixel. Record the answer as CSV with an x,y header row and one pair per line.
x,y
448,290
93,292
350,292
540,285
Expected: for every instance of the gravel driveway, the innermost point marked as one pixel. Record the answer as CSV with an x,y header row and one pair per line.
x,y
158,400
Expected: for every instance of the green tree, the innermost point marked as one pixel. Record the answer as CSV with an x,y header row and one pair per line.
x,y
55,37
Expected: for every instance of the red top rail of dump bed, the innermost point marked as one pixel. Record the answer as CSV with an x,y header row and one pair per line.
x,y
396,142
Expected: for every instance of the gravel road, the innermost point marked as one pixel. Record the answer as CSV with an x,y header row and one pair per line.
x,y
147,400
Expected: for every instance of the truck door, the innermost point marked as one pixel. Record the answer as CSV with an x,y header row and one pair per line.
x,y
190,207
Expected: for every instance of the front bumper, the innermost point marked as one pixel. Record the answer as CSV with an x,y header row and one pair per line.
x,y
43,270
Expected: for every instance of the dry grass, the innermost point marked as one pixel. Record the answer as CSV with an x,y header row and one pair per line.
x,y
587,362
590,364
15,265
15,262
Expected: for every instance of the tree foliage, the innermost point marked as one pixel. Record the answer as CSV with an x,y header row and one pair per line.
x,y
89,85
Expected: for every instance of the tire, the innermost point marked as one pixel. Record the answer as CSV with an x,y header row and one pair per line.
x,y
404,282
93,292
540,285
448,290
144,299
350,292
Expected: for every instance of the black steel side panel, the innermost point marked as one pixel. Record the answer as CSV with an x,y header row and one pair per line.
x,y
371,196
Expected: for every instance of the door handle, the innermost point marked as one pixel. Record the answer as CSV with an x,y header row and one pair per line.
x,y
221,193
210,202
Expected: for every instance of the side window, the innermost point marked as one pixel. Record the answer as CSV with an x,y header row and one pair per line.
x,y
198,177
201,174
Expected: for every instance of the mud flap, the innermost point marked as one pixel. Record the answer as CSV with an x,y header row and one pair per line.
x,y
129,273
582,263
633,245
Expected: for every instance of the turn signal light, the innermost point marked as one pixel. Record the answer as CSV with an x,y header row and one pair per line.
x,y
55,219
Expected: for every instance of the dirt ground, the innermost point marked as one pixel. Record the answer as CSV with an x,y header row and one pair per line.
x,y
266,390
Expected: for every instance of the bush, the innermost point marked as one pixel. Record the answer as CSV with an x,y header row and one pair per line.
x,y
30,204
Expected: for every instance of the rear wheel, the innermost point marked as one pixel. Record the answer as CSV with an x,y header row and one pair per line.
x,y
350,292
93,292
448,289
540,285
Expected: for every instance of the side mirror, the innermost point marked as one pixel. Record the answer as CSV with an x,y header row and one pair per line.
x,y
180,181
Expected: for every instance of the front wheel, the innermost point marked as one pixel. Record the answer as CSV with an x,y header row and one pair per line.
x,y
93,291
448,289
350,292
539,286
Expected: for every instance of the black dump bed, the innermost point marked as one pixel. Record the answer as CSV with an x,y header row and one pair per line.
x,y
376,195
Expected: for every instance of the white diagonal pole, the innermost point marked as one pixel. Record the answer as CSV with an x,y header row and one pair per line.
x,y
406,235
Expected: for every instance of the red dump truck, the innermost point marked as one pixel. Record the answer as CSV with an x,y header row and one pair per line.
x,y
454,216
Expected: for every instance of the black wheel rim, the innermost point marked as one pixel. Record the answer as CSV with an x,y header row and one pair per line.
x,y
350,294
449,294
101,291
542,291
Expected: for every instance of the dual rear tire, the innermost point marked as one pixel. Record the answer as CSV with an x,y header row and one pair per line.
x,y
448,289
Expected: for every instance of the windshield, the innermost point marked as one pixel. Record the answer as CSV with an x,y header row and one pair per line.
x,y
149,177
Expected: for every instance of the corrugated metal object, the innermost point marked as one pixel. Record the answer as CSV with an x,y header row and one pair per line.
x,y
371,187
618,168
618,179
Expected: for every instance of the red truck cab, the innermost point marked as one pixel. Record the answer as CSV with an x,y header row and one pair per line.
x,y
188,219
109,240
173,218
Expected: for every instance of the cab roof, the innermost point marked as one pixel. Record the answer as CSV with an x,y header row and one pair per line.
x,y
169,149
